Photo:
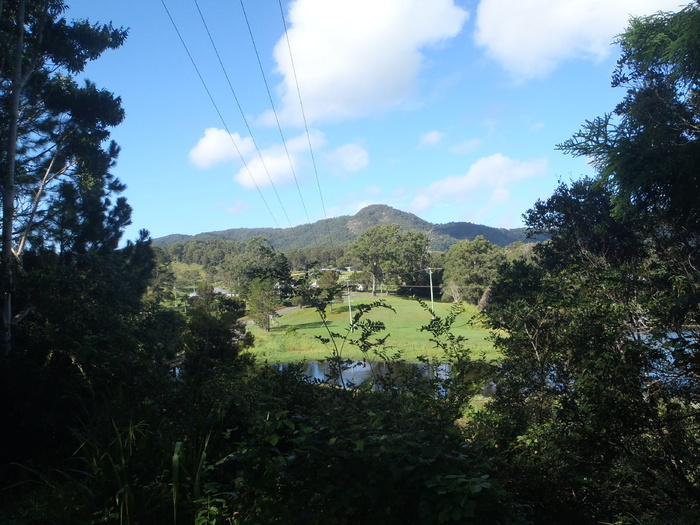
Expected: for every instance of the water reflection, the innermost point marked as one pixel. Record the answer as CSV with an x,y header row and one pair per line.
x,y
357,372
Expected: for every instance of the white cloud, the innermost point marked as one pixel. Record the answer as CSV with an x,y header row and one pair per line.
x,y
278,164
353,58
529,38
348,158
218,147
468,146
500,196
489,178
431,138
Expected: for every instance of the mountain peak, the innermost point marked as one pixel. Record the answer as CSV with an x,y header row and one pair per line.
x,y
383,214
342,231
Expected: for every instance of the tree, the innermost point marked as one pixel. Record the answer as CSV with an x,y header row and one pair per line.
x,y
162,285
52,131
518,250
596,405
470,268
648,146
328,285
314,257
648,150
371,250
409,256
81,343
258,261
262,302
586,409
388,253
214,333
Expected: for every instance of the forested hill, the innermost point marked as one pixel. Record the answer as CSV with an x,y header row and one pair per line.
x,y
342,231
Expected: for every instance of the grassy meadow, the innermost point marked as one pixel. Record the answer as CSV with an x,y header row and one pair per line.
x,y
293,336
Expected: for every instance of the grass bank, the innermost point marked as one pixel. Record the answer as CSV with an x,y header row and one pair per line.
x,y
293,336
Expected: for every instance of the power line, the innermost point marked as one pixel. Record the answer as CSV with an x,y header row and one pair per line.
x,y
306,127
223,121
245,120
274,111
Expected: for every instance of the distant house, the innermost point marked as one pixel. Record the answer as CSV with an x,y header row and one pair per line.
x,y
217,291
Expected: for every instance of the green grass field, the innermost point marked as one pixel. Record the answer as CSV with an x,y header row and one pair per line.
x,y
293,336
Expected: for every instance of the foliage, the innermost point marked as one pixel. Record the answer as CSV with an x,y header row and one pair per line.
x,y
363,279
326,455
648,147
122,410
387,253
294,337
596,404
162,285
262,303
207,253
258,262
308,243
315,257
329,288
470,268
519,250
79,341
409,258
371,251
468,375
56,184
358,457
214,333
328,280
592,419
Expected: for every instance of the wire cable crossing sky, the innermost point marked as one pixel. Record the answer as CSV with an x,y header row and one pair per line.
x,y
449,109
245,120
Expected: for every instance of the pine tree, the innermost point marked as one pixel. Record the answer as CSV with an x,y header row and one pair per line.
x,y
53,160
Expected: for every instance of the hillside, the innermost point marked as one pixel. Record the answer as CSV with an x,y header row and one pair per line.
x,y
342,231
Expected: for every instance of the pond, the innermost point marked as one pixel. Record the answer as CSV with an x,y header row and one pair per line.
x,y
358,372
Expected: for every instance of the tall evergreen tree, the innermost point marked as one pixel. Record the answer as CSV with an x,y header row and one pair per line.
x,y
53,131
595,416
78,296
648,151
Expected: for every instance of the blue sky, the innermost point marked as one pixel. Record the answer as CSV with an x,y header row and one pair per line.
x,y
449,109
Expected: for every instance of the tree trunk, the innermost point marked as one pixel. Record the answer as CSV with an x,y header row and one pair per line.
x,y
8,184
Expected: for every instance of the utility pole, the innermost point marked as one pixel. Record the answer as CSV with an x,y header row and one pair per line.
x,y
352,329
432,302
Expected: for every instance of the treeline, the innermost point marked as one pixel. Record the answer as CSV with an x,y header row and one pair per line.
x,y
344,230
385,255
212,253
